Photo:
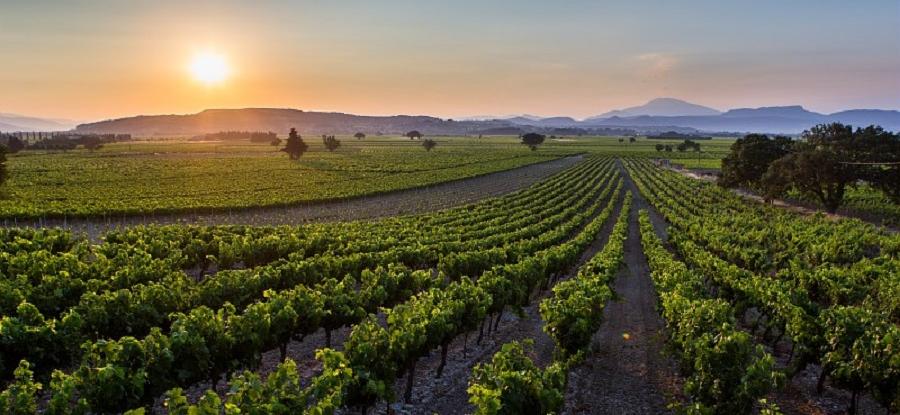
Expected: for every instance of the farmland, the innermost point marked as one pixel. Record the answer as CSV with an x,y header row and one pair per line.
x,y
181,176
606,282
449,208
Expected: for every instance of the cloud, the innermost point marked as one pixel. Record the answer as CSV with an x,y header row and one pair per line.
x,y
656,65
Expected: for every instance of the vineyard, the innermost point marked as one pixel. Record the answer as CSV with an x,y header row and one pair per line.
x,y
826,291
145,178
500,306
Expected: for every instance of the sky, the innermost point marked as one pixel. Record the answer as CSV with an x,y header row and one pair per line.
x,y
91,60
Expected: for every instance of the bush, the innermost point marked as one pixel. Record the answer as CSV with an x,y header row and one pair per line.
x,y
512,384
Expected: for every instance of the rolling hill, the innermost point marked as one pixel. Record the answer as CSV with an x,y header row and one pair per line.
x,y
781,120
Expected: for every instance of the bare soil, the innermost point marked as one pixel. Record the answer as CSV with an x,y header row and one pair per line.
x,y
626,370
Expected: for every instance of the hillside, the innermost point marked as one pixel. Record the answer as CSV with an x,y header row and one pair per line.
x,y
783,120
281,120
16,122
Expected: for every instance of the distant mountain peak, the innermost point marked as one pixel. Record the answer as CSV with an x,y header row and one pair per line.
x,y
17,122
667,100
662,107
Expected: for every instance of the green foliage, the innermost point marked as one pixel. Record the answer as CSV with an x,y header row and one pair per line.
x,y
330,142
218,177
512,384
3,172
749,159
532,140
726,372
819,173
823,284
575,310
688,145
828,159
20,397
861,352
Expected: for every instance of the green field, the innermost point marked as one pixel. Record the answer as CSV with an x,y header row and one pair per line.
x,y
177,175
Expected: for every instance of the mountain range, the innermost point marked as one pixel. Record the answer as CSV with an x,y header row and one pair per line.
x,y
665,112
658,115
15,122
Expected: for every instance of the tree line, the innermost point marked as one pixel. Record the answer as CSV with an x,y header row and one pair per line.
x,y
15,142
682,146
826,161
253,136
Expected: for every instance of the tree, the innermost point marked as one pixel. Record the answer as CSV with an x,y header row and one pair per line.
x,y
275,142
359,136
749,159
660,147
414,134
688,145
91,142
668,148
887,179
818,166
295,147
621,140
330,142
813,172
880,150
429,144
828,158
2,164
532,140
631,139
13,144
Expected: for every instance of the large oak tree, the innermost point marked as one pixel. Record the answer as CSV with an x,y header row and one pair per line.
x,y
749,159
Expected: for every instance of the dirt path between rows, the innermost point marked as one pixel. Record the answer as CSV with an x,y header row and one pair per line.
x,y
626,370
401,202
618,376
447,395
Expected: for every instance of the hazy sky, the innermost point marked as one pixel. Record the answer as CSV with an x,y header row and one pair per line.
x,y
100,59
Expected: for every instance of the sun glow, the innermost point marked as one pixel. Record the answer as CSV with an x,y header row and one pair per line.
x,y
209,68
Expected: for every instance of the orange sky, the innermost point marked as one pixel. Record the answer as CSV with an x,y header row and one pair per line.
x,y
91,60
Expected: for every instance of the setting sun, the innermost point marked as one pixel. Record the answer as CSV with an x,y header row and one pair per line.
x,y
209,68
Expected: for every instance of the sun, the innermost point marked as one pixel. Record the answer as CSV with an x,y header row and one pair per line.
x,y
209,68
